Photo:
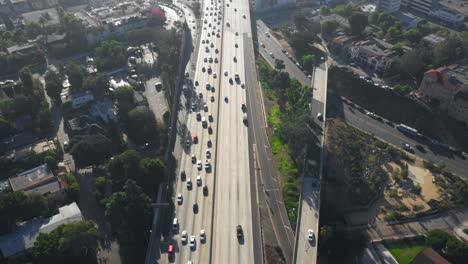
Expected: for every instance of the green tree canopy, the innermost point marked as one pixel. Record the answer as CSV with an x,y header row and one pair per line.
x,y
110,54
329,26
279,64
308,61
53,83
97,84
69,243
152,173
357,21
75,75
90,149
129,213
124,166
141,125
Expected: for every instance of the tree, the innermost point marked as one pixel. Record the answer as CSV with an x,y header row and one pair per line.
x,y
324,10
448,50
110,54
152,173
329,26
279,64
156,21
69,243
357,21
308,61
51,162
90,149
26,79
410,63
413,35
128,213
6,128
447,245
53,85
124,166
300,20
97,84
75,75
141,125
33,30
73,188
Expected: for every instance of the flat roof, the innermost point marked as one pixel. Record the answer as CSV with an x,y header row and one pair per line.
x,y
460,6
31,178
23,238
51,14
34,148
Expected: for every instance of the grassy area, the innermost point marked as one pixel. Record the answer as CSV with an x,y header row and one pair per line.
x,y
404,252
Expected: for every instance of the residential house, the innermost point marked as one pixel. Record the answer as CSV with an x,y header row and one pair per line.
x,y
22,49
22,239
429,256
84,125
36,148
39,180
46,17
374,53
448,85
104,110
432,40
77,100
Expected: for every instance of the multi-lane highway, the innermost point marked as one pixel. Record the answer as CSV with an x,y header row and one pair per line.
x,y
233,192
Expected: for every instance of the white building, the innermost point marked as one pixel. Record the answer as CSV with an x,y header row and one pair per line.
x,y
23,238
389,6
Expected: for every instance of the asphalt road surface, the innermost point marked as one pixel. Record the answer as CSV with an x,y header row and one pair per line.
x,y
191,219
390,134
271,50
233,191
306,248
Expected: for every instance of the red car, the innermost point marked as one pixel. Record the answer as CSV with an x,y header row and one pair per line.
x,y
170,252
195,139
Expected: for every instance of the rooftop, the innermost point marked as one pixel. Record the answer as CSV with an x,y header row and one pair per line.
x,y
34,148
39,179
376,47
23,238
18,140
433,39
460,6
429,256
49,16
20,48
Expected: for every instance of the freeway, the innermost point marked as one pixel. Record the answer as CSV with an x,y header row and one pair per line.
x,y
270,49
306,248
233,193
196,182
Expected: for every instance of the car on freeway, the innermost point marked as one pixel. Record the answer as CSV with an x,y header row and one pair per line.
x,y
195,139
214,75
212,98
194,158
194,106
243,107
216,60
408,148
184,237
186,74
189,183
196,83
208,154
192,242
242,85
226,99
235,45
200,95
207,165
210,130
199,165
237,33
208,86
239,232
263,45
225,73
199,180
320,116
310,235
183,175
205,190
210,117
205,60
202,236
170,252
195,208
179,198
209,143
198,116
205,107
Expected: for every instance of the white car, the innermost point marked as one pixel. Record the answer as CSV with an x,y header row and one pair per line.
x,y
189,183
202,236
214,75
310,235
205,107
179,198
208,154
199,182
184,237
207,165
192,242
199,165
225,73
242,85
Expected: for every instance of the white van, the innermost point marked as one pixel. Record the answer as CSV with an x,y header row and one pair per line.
x,y
175,224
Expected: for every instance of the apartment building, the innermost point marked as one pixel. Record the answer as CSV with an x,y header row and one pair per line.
x,y
449,86
420,6
389,6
